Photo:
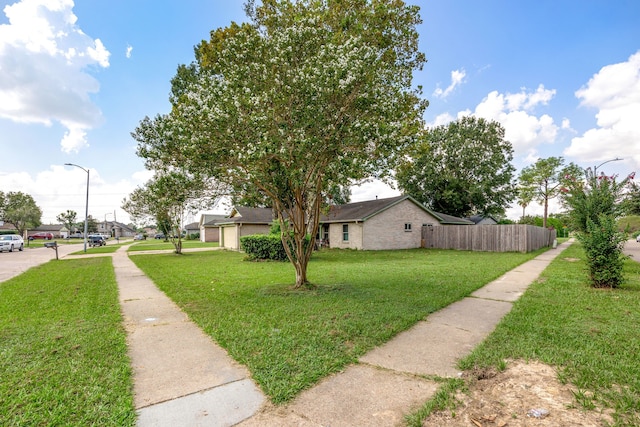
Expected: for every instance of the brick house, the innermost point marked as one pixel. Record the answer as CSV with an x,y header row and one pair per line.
x,y
243,221
208,226
391,223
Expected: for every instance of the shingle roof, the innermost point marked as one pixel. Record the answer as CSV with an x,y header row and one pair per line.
x,y
245,215
49,227
478,218
212,219
361,211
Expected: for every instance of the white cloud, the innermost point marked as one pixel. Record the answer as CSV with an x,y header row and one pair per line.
x,y
371,190
615,92
514,112
457,78
43,57
64,187
128,52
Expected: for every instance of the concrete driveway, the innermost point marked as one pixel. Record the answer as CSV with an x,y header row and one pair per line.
x,y
16,262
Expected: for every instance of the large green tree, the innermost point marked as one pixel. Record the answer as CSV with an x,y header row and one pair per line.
x,y
461,169
168,197
21,211
68,219
309,95
544,180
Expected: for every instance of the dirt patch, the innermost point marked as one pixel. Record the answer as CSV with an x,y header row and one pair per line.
x,y
525,394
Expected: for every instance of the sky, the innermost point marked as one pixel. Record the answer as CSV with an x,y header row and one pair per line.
x,y
76,77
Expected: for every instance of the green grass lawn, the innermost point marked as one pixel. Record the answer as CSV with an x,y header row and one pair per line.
x,y
591,335
63,350
63,357
157,244
290,339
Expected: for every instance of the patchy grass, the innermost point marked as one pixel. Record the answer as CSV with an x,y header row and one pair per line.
x,y
290,338
589,334
63,355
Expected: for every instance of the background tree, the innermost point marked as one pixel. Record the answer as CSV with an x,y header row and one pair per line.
x,y
92,225
525,197
307,96
461,169
595,205
168,197
21,211
68,219
631,199
2,203
544,180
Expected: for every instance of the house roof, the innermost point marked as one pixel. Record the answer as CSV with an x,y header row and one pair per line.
x,y
211,219
478,218
6,226
121,226
49,227
192,226
361,211
245,215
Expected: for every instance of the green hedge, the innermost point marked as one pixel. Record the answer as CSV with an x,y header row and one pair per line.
x,y
262,246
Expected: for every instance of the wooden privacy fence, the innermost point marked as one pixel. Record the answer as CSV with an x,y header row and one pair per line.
x,y
489,238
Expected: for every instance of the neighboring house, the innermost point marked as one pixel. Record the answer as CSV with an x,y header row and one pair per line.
x,y
208,227
392,223
149,231
193,228
6,228
483,220
115,229
58,230
243,221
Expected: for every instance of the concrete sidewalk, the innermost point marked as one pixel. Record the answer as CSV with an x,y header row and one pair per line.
x,y
181,377
389,382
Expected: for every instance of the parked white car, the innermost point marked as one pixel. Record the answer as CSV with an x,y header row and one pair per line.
x,y
10,242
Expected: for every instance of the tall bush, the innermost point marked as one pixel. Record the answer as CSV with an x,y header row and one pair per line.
x,y
603,245
594,208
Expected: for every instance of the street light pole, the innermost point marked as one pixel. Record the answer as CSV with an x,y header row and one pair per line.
x,y
86,209
595,168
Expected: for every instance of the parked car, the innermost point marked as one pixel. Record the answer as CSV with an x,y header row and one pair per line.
x,y
96,240
138,237
159,236
41,235
9,242
638,238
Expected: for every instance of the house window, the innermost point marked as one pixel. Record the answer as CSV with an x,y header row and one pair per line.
x,y
407,226
345,232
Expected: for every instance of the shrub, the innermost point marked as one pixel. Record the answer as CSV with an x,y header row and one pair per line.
x,y
603,244
595,205
266,247
262,246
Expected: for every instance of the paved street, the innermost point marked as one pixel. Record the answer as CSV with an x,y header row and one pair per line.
x,y
15,263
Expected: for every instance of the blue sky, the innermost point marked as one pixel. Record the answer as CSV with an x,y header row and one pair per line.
x,y
562,77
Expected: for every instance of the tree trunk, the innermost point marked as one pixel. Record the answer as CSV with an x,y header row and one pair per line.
x,y
301,272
